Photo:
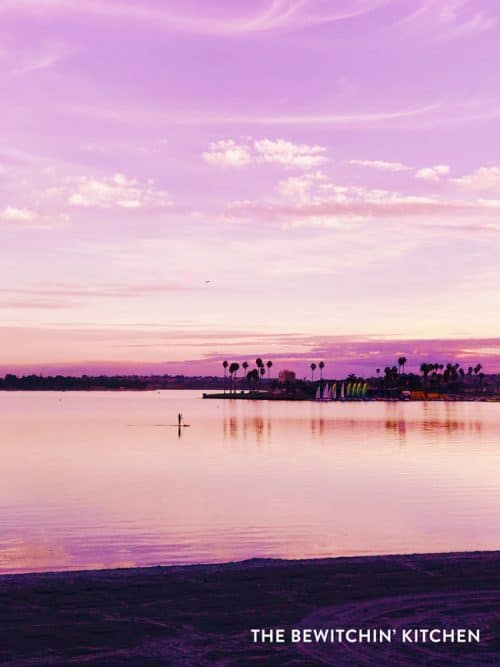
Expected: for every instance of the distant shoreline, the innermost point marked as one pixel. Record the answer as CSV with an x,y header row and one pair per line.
x,y
202,614
263,396
393,385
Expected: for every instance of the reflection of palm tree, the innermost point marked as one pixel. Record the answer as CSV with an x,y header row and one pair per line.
x,y
313,368
269,365
321,366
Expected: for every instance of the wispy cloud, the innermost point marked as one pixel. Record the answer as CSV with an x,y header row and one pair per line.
x,y
381,165
107,291
276,14
36,304
451,19
16,62
350,118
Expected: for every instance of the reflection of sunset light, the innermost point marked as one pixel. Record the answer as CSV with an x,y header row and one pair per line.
x,y
100,479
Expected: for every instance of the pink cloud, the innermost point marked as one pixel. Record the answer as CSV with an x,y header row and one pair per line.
x,y
433,174
229,153
14,214
342,354
483,179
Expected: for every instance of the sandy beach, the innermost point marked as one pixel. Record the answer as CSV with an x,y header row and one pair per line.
x,y
203,615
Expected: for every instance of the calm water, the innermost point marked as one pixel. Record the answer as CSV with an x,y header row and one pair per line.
x,y
91,480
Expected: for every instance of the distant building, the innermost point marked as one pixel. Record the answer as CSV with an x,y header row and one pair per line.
x,y
286,377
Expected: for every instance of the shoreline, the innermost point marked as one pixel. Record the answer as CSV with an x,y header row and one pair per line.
x,y
202,614
447,398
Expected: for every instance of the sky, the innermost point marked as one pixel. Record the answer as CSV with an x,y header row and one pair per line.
x,y
183,182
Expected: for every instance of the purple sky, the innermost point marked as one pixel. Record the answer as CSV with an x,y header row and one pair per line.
x,y
331,168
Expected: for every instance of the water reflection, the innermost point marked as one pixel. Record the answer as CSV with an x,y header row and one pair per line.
x,y
259,427
97,480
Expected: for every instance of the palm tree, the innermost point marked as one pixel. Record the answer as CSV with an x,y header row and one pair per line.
x,y
378,371
269,365
225,364
245,366
425,369
321,366
313,368
401,364
233,369
252,377
259,363
262,371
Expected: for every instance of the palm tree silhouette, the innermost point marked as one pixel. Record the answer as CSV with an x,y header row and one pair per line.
x,y
254,375
233,369
321,366
225,364
425,369
313,368
401,364
269,365
245,366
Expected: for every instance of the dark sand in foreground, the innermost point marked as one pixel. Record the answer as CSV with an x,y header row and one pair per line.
x,y
202,615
